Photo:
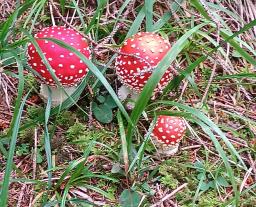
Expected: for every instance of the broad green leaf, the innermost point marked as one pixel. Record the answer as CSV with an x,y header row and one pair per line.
x,y
129,198
102,113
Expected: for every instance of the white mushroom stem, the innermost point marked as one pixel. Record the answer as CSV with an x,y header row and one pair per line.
x,y
164,149
169,150
58,95
124,92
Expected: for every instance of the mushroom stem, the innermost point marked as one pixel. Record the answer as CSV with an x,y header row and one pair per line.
x,y
58,94
124,92
167,150
170,150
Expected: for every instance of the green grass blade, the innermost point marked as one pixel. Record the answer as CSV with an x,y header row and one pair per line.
x,y
137,23
236,76
96,15
13,133
140,154
183,74
149,14
77,9
123,141
98,190
175,6
8,169
47,142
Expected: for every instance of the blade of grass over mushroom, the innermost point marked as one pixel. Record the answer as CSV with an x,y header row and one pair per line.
x,y
97,73
208,122
155,78
13,133
47,144
149,14
48,66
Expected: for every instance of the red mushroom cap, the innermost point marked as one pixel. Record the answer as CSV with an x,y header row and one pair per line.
x,y
68,68
169,130
144,51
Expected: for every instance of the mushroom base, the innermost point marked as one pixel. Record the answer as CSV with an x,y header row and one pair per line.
x,y
167,150
124,93
58,94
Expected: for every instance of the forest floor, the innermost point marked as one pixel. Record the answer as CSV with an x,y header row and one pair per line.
x,y
216,161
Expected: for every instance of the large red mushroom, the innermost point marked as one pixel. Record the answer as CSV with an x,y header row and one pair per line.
x,y
167,134
138,58
68,68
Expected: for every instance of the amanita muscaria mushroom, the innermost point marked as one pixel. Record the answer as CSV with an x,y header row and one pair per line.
x,y
138,57
68,68
168,133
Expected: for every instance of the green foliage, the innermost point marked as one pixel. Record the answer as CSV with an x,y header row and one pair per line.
x,y
31,82
65,119
80,135
103,109
173,171
129,198
33,111
209,199
208,178
75,131
22,149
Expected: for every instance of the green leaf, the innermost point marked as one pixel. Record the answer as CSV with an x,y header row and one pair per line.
x,y
102,113
101,99
149,14
110,102
116,168
204,186
39,158
222,181
129,198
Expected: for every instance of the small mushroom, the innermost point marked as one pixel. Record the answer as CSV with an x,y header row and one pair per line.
x,y
168,133
138,58
68,68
